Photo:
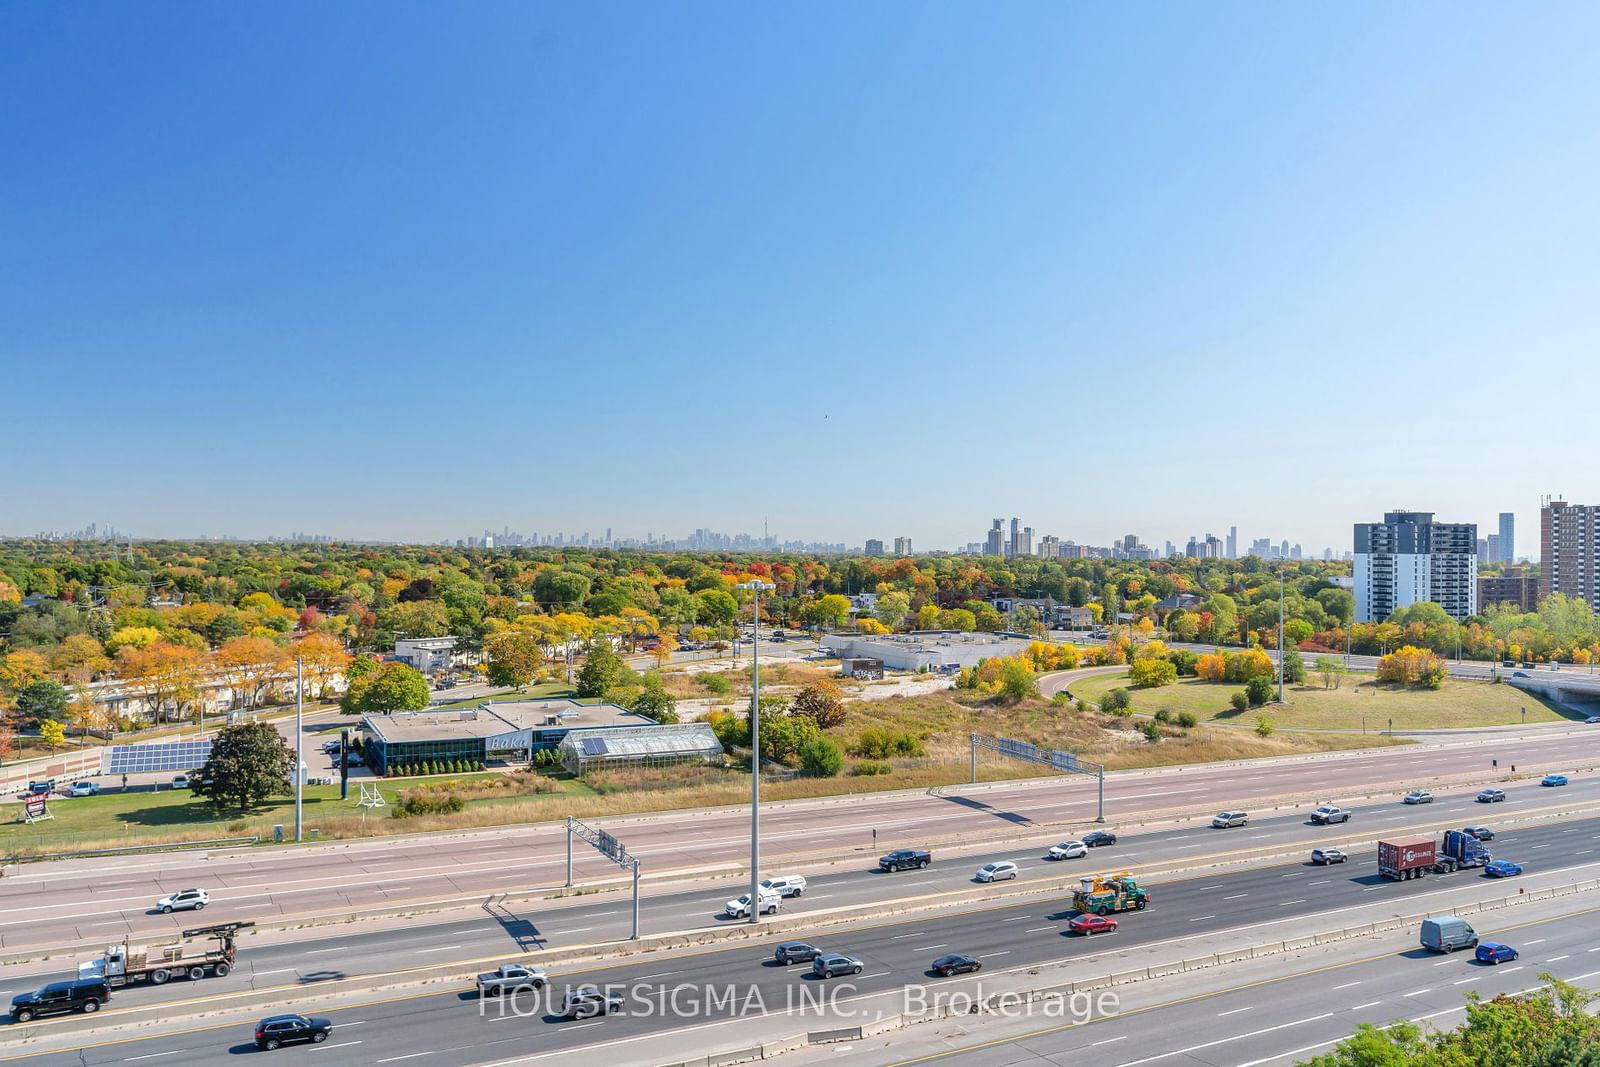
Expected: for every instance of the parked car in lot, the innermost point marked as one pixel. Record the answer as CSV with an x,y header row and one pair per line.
x,y
1553,779
85,995
1502,869
1099,838
1418,796
1482,833
1089,925
786,885
1494,952
1328,814
182,900
999,871
587,1001
829,964
82,789
180,781
739,907
1224,819
275,1031
353,759
1324,856
902,859
1067,850
956,963
795,952
1491,796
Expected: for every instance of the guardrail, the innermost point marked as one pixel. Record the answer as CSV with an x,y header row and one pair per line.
x,y
130,850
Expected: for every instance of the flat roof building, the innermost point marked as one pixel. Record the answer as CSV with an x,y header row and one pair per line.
x,y
426,654
513,730
928,649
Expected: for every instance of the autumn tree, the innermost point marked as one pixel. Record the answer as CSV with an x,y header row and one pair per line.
x,y
666,645
168,674
1331,670
79,658
21,668
1211,668
323,658
52,734
820,702
387,688
250,665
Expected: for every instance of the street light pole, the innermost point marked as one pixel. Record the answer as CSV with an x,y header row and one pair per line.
x,y
299,743
755,588
1280,636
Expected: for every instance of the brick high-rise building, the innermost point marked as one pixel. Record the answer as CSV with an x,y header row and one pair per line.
x,y
1569,551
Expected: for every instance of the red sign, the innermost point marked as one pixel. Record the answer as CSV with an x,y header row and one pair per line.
x,y
33,807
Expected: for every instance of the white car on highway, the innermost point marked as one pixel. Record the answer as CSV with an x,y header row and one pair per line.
x,y
1067,850
999,871
786,885
739,907
183,899
1224,819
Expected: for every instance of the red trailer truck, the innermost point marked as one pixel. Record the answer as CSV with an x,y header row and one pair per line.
x,y
1407,857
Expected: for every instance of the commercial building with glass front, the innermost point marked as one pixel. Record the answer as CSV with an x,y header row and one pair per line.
x,y
509,732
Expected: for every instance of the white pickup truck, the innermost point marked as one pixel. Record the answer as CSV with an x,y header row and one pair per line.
x,y
510,978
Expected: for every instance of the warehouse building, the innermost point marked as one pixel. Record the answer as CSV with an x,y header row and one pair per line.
x,y
927,650
634,746
511,732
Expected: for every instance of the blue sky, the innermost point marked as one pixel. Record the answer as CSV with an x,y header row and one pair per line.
x,y
410,270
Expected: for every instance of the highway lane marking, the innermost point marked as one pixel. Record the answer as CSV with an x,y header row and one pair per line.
x,y
276,970
1287,903
579,930
1323,881
407,1056
930,948
1199,918
342,1044
319,951
1538,846
1236,896
874,974
1292,874
647,977
437,948
1464,981
1036,929
1203,888
1015,918
1347,985
1007,952
896,937
1558,959
1225,1040
154,1055
1595,949
1109,1041
1418,992
1233,1011
1368,1004
1537,941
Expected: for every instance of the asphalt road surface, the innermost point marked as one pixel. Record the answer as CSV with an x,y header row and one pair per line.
x,y
667,991
76,900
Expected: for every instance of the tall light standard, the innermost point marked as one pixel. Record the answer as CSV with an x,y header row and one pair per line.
x,y
299,743
1280,636
755,588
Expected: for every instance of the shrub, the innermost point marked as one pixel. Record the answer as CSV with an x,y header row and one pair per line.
x,y
1187,720
868,768
1117,702
716,683
1150,672
1017,681
1239,701
821,757
1265,726
1082,705
1163,715
1258,690
1152,732
906,744
426,801
1060,700
1184,661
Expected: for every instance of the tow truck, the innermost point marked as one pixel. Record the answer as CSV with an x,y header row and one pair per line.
x,y
126,963
1105,893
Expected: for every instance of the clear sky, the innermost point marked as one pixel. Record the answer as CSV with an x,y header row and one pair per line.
x,y
410,270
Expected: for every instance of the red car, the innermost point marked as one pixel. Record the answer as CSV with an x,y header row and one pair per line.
x,y
1091,924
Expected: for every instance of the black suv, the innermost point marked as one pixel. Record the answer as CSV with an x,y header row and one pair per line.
x,y
794,952
83,995
276,1030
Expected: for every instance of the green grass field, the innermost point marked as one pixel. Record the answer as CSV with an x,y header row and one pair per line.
x,y
1311,707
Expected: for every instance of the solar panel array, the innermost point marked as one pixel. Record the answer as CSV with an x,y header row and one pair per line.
x,y
593,746
159,756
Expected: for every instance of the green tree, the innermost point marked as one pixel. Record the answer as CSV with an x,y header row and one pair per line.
x,y
1265,725
1294,667
601,670
892,609
716,607
654,702
1331,671
1150,671
1116,702
248,763
389,687
560,589
1017,682
1258,690
42,701
821,757
513,659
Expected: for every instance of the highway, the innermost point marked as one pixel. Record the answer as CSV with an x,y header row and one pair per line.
x,y
1291,1019
316,953
71,901
446,1028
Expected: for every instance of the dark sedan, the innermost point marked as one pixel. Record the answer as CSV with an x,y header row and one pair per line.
x,y
955,963
1096,838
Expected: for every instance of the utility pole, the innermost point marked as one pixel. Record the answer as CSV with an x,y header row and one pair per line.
x,y
299,744
755,587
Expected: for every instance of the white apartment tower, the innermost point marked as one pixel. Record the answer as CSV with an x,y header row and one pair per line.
x,y
1408,558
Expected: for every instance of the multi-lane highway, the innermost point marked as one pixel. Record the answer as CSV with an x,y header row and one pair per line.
x,y
74,901
1275,901
481,933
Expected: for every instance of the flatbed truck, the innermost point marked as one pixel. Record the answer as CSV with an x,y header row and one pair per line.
x,y
201,951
